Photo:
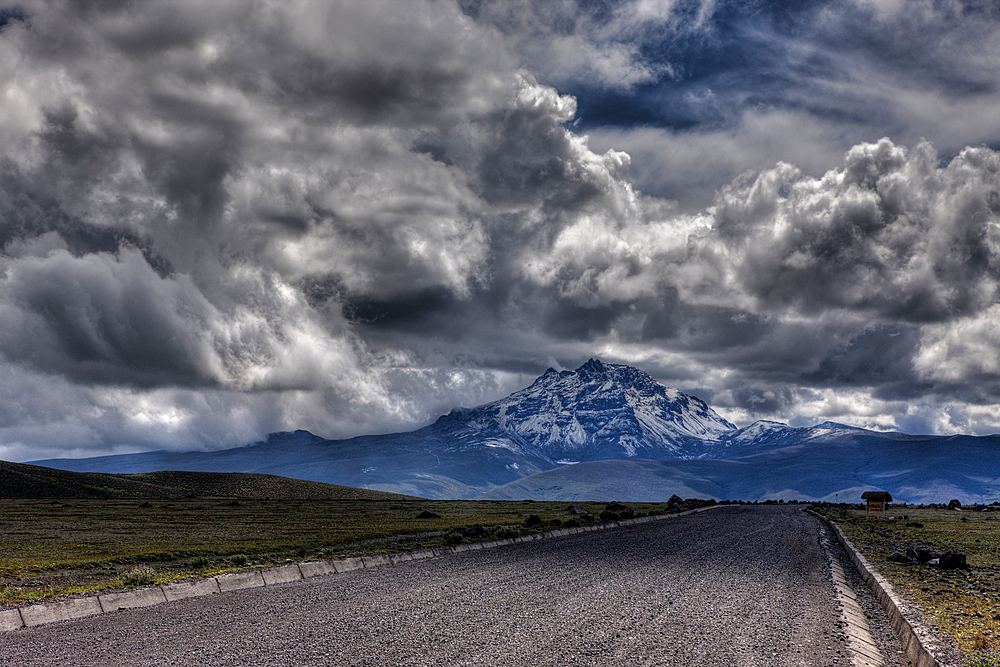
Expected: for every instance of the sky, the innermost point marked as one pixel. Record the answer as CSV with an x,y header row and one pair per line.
x,y
220,220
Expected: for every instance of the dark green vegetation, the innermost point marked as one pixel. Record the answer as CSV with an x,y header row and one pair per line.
x,y
19,480
965,604
65,546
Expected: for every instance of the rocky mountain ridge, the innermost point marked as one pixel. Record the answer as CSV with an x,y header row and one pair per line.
x,y
599,411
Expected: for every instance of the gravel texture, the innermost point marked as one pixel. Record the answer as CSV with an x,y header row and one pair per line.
x,y
733,586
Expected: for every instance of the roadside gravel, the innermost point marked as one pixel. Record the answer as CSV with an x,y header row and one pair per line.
x,y
733,586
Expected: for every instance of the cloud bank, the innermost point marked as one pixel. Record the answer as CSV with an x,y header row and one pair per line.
x,y
223,220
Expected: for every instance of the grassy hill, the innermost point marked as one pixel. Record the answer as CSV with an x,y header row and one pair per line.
x,y
20,480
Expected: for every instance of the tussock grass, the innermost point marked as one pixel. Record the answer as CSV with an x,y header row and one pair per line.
x,y
142,575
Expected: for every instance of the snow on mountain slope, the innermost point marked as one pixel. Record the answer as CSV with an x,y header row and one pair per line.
x,y
600,411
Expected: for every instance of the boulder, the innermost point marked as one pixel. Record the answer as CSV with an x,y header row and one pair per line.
x,y
615,507
532,520
914,524
474,531
925,555
953,560
899,557
428,515
674,501
954,504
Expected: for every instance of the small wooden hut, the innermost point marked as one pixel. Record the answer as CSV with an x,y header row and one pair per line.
x,y
877,500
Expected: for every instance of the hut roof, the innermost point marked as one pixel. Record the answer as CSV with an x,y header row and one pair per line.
x,y
877,495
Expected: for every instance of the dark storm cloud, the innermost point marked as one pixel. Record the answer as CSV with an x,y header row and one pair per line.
x,y
890,234
221,220
104,319
880,356
763,400
10,15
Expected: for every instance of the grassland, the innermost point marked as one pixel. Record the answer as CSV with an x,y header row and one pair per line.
x,y
964,604
52,548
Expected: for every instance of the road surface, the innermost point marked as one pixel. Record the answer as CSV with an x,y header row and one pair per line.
x,y
732,586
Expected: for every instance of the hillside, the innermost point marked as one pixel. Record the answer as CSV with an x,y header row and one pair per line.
x,y
827,462
20,480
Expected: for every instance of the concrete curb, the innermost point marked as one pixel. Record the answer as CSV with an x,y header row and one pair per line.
x,y
195,588
921,644
64,610
140,597
11,620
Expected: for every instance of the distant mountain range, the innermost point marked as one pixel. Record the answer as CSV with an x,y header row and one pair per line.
x,y
607,431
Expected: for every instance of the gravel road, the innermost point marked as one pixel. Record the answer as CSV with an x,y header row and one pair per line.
x,y
732,586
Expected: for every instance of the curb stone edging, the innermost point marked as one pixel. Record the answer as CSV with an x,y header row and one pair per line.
x,y
922,646
11,620
106,602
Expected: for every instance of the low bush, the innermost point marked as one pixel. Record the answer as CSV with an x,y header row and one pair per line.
x,y
239,560
139,576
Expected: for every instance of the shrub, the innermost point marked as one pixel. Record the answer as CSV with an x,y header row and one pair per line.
x,y
555,522
573,523
617,514
139,576
239,559
453,539
199,563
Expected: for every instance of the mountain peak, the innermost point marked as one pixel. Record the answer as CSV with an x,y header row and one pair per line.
x,y
601,411
593,365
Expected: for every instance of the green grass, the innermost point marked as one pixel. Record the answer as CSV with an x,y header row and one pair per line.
x,y
61,547
963,604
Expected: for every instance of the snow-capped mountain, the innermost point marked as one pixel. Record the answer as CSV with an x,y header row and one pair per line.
x,y
600,411
633,438
597,412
